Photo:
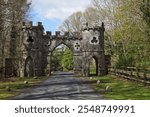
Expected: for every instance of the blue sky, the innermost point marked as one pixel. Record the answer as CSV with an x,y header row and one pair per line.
x,y
49,24
53,12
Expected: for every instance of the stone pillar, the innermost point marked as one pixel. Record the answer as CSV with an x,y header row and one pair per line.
x,y
37,63
101,65
22,63
86,70
48,69
77,59
21,68
85,64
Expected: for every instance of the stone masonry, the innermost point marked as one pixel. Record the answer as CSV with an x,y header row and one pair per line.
x,y
38,48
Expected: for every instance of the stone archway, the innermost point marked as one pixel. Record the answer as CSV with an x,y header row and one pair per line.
x,y
89,43
93,66
58,40
58,60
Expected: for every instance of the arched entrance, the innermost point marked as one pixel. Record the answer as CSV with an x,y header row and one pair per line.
x,y
61,58
93,67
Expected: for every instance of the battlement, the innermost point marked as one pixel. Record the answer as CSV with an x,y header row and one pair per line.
x,y
57,35
66,34
98,28
39,23
29,25
49,33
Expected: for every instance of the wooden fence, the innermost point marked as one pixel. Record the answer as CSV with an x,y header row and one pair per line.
x,y
132,73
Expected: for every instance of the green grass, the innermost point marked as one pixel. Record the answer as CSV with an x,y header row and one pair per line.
x,y
17,85
122,89
92,71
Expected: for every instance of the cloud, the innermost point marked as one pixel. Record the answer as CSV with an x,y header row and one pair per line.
x,y
58,9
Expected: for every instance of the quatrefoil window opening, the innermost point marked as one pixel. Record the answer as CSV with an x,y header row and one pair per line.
x,y
94,40
77,46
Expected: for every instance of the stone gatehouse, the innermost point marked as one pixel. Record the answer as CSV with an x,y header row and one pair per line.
x,y
38,47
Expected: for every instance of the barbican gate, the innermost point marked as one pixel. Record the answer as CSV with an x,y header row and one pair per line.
x,y
38,47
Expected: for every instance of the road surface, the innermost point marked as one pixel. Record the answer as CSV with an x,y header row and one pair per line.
x,y
61,86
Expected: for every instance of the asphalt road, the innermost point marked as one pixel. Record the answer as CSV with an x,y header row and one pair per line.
x,y
61,86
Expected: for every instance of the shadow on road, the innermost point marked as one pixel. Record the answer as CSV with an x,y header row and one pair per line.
x,y
62,86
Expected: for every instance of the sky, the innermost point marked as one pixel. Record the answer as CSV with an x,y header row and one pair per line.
x,y
53,12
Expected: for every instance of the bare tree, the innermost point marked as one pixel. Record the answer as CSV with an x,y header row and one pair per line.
x,y
73,23
12,14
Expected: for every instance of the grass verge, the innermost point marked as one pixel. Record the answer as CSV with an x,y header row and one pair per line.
x,y
121,89
14,86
